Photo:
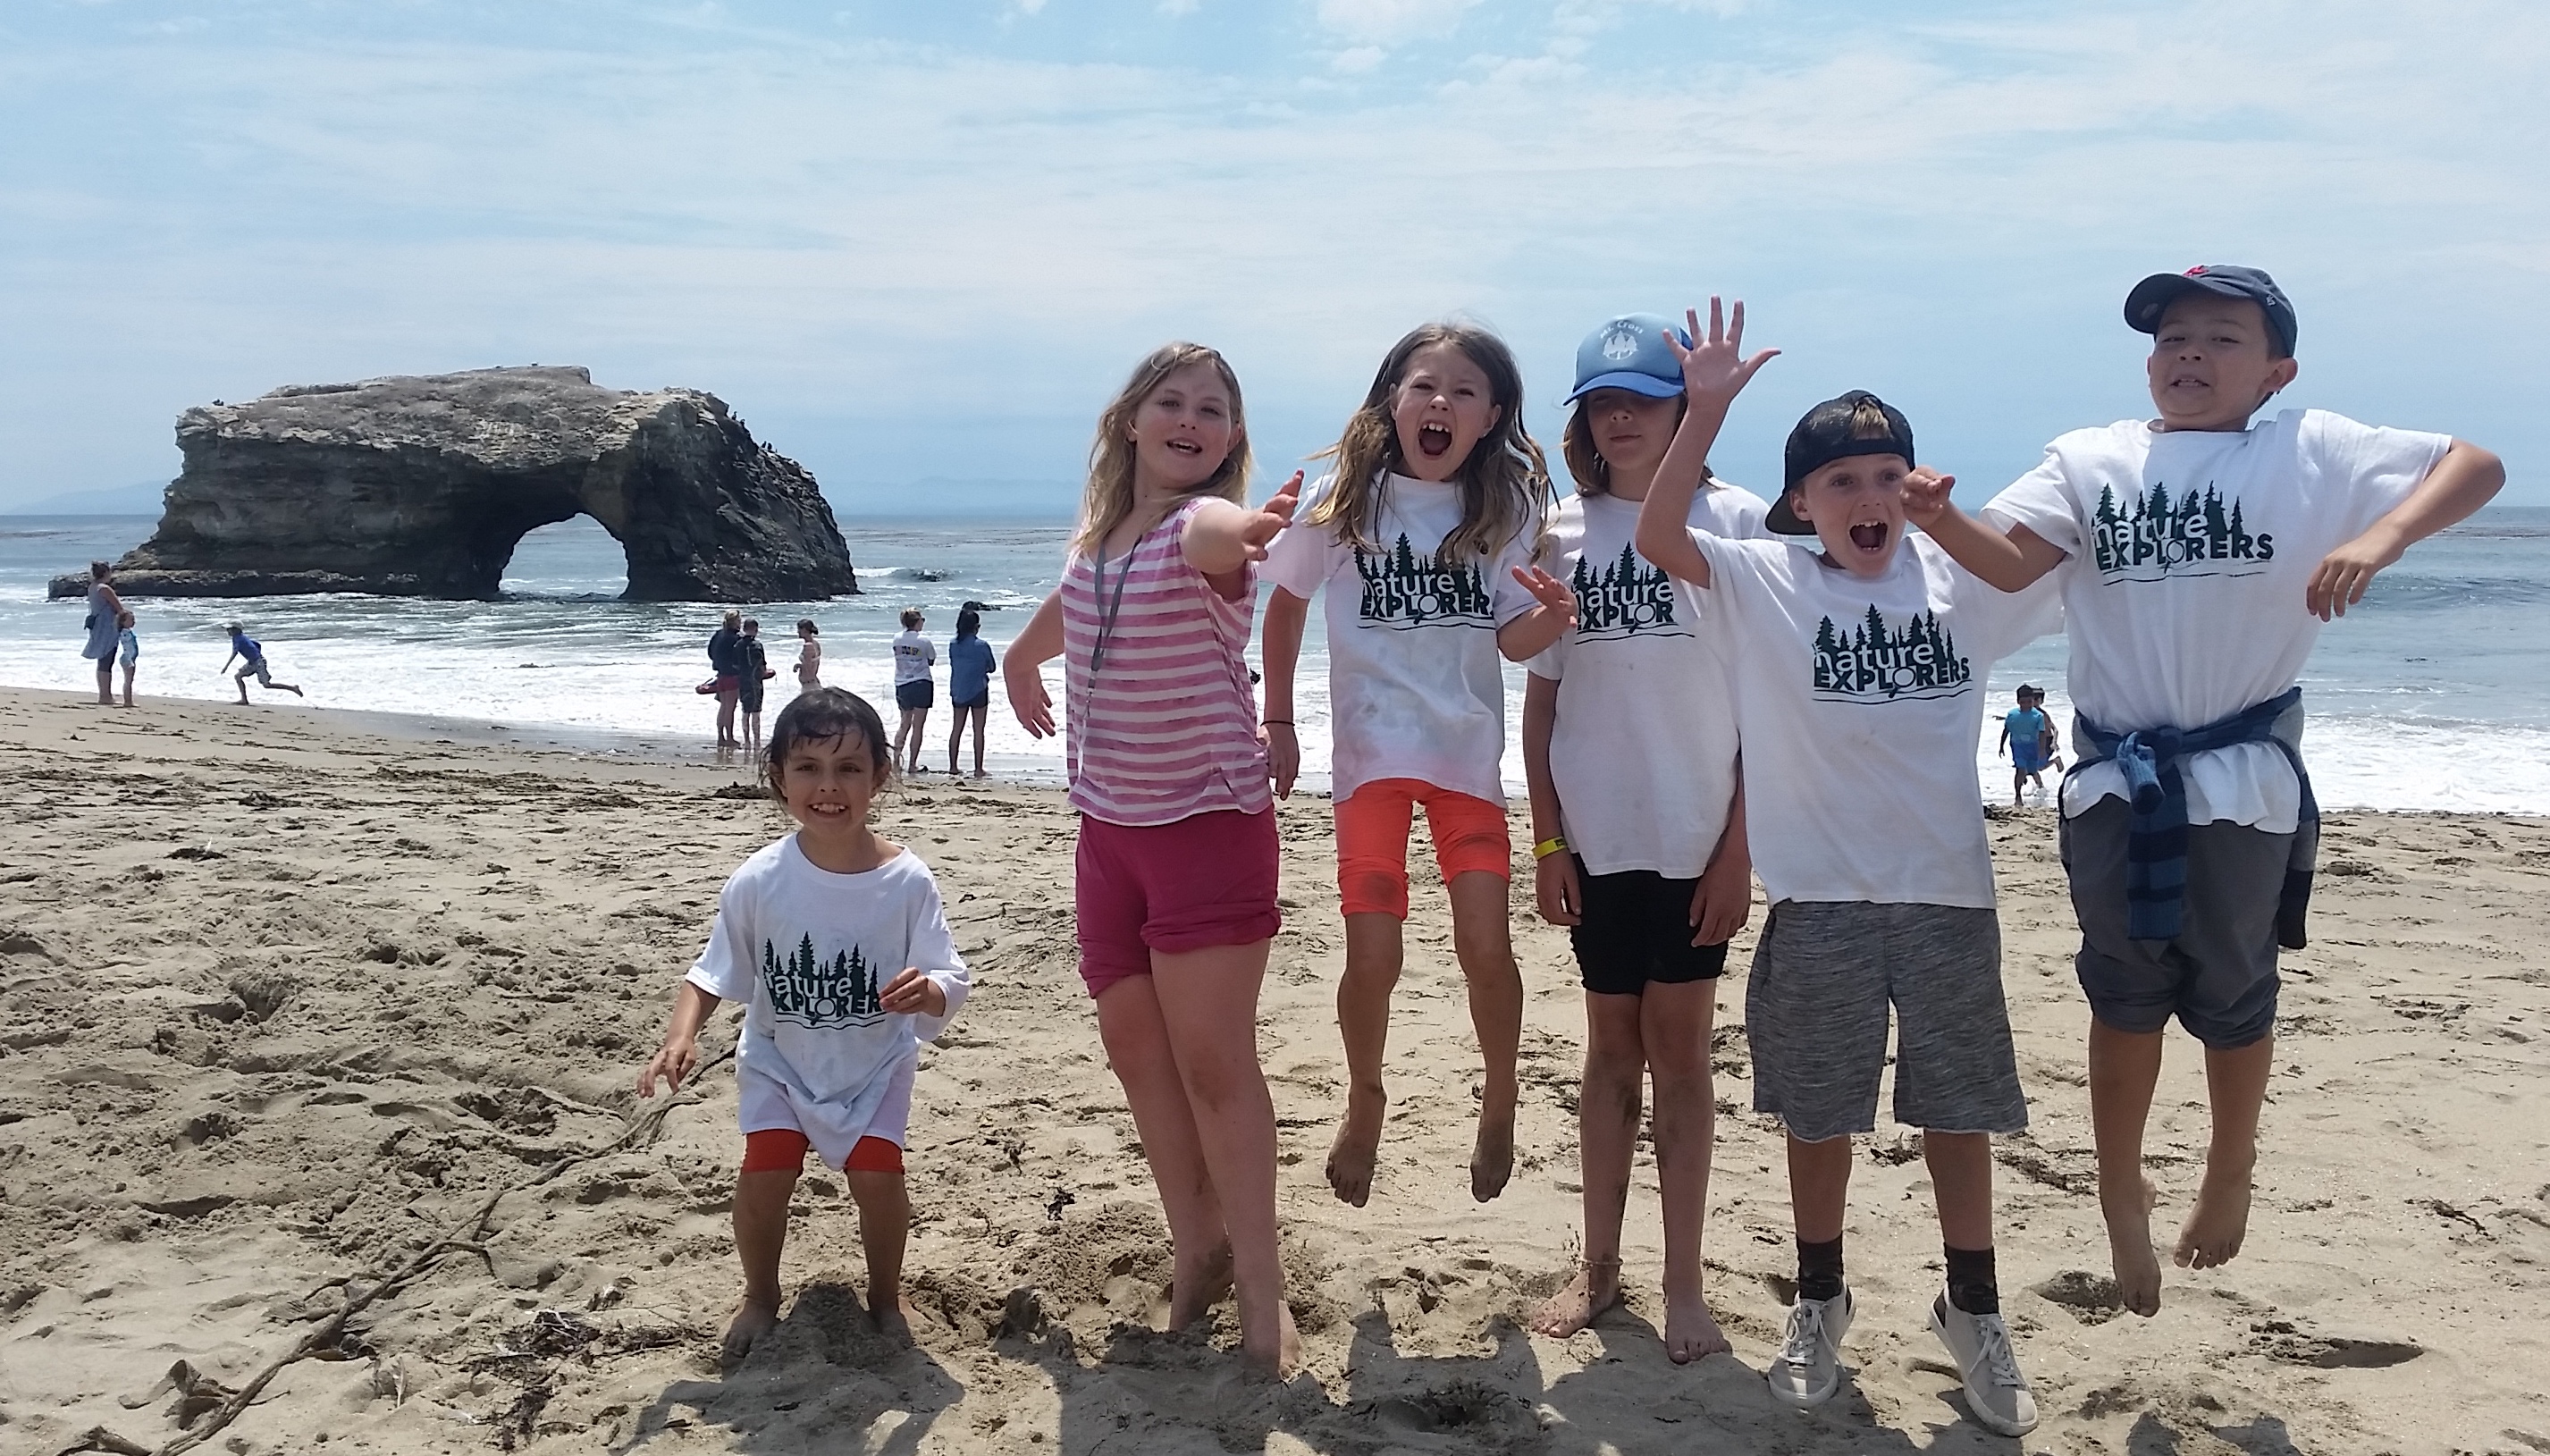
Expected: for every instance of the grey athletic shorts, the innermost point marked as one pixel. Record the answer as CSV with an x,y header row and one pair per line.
x,y
2219,977
1815,1011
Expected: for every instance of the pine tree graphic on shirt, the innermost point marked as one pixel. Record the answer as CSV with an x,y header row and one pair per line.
x,y
1627,598
2153,536
808,991
1876,663
1403,590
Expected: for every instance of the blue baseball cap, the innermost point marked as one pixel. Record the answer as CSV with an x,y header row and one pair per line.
x,y
2152,297
1630,353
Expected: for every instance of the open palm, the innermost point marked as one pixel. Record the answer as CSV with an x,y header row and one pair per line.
x,y
1715,368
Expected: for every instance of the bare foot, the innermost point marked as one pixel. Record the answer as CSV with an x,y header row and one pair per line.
x,y
1491,1157
1288,1348
1194,1292
978,773
1358,1142
894,1321
1690,1332
1594,1289
2130,1250
752,1319
2220,1222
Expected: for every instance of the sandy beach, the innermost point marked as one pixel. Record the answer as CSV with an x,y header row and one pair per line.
x,y
296,1013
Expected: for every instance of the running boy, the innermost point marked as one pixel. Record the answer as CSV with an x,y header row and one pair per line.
x,y
251,657
2023,732
1857,675
2198,556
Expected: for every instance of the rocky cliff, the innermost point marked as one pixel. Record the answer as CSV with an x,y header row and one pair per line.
x,y
421,485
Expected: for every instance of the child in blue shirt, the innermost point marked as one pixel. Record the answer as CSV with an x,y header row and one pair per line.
x,y
251,661
2023,732
969,685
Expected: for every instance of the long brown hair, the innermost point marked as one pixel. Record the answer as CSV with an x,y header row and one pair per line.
x,y
1108,497
1505,482
1585,462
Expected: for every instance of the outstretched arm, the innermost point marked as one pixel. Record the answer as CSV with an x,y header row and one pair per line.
x,y
1279,654
1041,641
1222,538
1714,371
673,1061
2013,562
2465,480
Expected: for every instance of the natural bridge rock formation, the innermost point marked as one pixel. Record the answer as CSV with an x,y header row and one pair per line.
x,y
419,486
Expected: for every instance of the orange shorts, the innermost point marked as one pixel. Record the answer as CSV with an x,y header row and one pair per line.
x,y
778,1149
1372,841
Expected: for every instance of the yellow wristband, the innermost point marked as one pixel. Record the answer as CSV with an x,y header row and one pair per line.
x,y
1549,846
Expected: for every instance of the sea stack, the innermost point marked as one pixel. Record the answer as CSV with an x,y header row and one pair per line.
x,y
420,486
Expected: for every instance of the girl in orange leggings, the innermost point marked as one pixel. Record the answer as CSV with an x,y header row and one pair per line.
x,y
1419,546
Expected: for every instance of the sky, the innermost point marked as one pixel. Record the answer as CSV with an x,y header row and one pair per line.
x,y
920,243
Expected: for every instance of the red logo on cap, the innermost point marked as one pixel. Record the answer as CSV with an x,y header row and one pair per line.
x,y
2198,272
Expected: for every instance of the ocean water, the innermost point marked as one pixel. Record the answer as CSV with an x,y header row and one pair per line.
x,y
2434,694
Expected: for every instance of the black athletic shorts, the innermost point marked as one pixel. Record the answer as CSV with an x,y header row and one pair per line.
x,y
913,694
1636,929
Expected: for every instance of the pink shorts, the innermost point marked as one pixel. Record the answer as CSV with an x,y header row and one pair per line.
x,y
1203,881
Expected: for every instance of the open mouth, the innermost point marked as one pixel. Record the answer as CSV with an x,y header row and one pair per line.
x,y
1434,442
1869,537
1186,448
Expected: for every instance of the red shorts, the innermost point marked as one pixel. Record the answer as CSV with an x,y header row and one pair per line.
x,y
776,1149
1372,841
1203,881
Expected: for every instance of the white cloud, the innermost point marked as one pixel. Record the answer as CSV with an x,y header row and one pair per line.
x,y
1356,60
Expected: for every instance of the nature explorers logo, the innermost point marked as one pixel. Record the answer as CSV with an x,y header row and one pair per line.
x,y
1401,590
808,992
1876,663
1626,597
2193,536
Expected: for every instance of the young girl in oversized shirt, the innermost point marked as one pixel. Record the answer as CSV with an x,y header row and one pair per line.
x,y
1173,881
1421,546
836,944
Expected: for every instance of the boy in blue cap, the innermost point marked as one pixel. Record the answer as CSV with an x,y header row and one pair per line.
x,y
2198,556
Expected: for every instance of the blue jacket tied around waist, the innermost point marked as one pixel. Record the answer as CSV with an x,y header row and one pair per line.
x,y
2156,850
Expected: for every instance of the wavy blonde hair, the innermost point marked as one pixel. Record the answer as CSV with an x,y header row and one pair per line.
x,y
1505,483
1108,497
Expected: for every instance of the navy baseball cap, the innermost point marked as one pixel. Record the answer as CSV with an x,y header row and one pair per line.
x,y
1824,434
2152,297
1630,353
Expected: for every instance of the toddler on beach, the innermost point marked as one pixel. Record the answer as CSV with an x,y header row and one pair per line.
x,y
2027,737
250,657
1628,748
838,944
2198,554
129,650
1174,879
1421,542
1858,658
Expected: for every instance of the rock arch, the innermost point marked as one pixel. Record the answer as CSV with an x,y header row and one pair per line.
x,y
422,485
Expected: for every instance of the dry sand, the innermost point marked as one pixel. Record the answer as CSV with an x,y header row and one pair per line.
x,y
283,1003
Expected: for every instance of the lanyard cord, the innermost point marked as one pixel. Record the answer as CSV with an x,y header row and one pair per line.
x,y
1109,607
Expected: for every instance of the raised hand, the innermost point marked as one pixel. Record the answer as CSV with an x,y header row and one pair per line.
x,y
1553,595
1271,518
1715,369
1925,495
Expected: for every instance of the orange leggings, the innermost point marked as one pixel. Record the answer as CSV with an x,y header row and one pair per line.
x,y
1372,841
783,1149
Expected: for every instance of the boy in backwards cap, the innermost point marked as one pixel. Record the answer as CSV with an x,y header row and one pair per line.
x,y
2198,556
1857,660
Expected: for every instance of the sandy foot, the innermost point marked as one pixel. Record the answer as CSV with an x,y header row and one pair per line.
x,y
894,1322
1491,1157
2129,1249
1358,1142
2220,1222
752,1319
1594,1289
1209,1280
1690,1332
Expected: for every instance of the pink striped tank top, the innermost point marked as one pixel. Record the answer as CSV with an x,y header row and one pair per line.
x,y
1160,721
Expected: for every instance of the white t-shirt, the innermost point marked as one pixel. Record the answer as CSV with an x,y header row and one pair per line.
x,y
912,655
1858,703
1416,688
2188,553
1643,749
808,952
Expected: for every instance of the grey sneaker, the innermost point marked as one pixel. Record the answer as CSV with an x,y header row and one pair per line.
x,y
1807,1369
1996,1392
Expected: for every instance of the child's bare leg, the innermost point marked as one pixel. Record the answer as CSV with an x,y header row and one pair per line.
x,y
289,688
2125,1067
128,687
1606,1129
760,1229
2236,1082
1818,1187
982,712
1960,1166
1483,943
1208,1001
902,736
885,1222
1374,954
919,736
1674,1022
1138,1049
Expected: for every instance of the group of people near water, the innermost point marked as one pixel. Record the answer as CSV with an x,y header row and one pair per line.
x,y
112,641
741,666
1722,687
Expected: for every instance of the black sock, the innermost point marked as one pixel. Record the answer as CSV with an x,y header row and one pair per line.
x,y
1972,1285
1820,1269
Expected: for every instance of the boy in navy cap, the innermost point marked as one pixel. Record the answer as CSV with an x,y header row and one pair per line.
x,y
2198,556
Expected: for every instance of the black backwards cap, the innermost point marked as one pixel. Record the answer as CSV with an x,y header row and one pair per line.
x,y
2152,297
1825,436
